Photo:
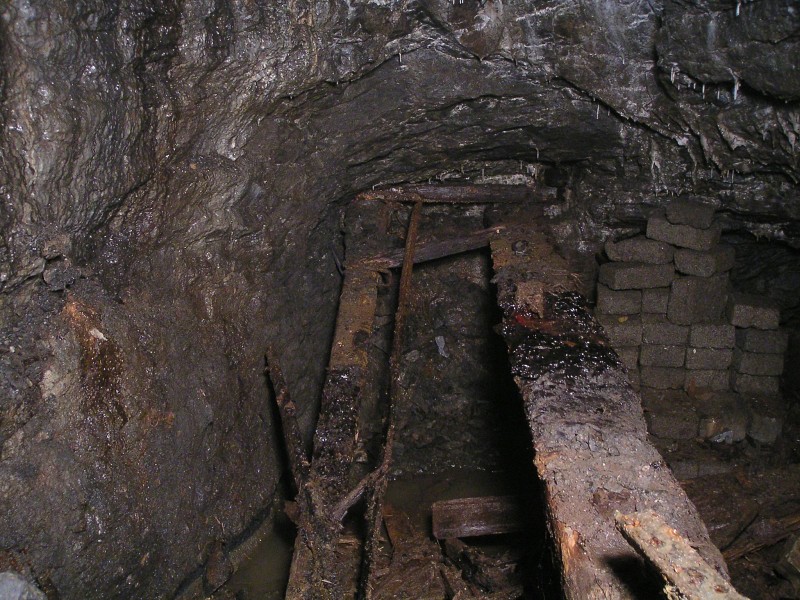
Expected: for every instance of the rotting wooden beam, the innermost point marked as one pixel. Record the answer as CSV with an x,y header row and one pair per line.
x,y
687,576
587,425
452,194
433,249
319,569
293,440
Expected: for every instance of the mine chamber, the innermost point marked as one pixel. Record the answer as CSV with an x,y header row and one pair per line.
x,y
181,185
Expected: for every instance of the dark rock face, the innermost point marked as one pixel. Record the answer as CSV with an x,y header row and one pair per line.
x,y
172,174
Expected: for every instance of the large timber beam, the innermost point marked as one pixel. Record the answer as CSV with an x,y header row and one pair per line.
x,y
322,568
587,424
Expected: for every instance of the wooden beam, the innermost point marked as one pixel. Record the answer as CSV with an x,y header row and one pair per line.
x,y
428,250
470,517
322,569
586,422
686,574
452,194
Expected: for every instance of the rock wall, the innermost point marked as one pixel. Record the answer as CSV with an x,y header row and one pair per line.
x,y
172,173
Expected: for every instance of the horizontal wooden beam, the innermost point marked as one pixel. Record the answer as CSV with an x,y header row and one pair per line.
x,y
452,194
470,517
428,250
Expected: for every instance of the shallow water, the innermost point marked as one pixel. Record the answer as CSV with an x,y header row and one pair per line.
x,y
265,573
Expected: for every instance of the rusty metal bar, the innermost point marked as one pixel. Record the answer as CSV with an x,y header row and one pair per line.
x,y
375,508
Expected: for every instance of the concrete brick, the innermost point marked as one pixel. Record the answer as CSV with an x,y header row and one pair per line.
x,y
755,385
708,358
661,400
665,333
773,341
655,300
697,299
690,212
618,302
639,249
683,236
753,363
622,331
685,469
749,310
705,264
723,417
673,425
717,402
707,379
662,378
662,355
633,377
626,276
670,414
629,357
766,419
653,318
712,335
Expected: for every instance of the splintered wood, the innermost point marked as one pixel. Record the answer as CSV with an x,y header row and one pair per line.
x,y
322,567
687,575
587,425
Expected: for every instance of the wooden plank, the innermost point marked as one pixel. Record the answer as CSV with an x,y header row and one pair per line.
x,y
453,194
293,440
688,576
322,569
587,425
428,250
470,517
356,314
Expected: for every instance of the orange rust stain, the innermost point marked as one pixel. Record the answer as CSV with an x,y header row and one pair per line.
x,y
101,363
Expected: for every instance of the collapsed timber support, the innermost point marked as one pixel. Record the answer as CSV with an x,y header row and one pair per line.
x,y
587,423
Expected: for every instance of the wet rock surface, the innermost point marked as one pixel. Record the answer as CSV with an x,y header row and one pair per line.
x,y
171,180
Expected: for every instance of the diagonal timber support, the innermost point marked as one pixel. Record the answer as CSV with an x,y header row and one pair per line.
x,y
587,424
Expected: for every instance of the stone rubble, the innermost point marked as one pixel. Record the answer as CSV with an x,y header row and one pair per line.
x,y
707,359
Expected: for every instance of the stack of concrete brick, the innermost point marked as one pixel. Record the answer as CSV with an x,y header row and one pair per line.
x,y
663,299
760,345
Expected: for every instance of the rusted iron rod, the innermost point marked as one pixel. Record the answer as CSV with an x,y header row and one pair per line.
x,y
452,194
434,249
375,508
